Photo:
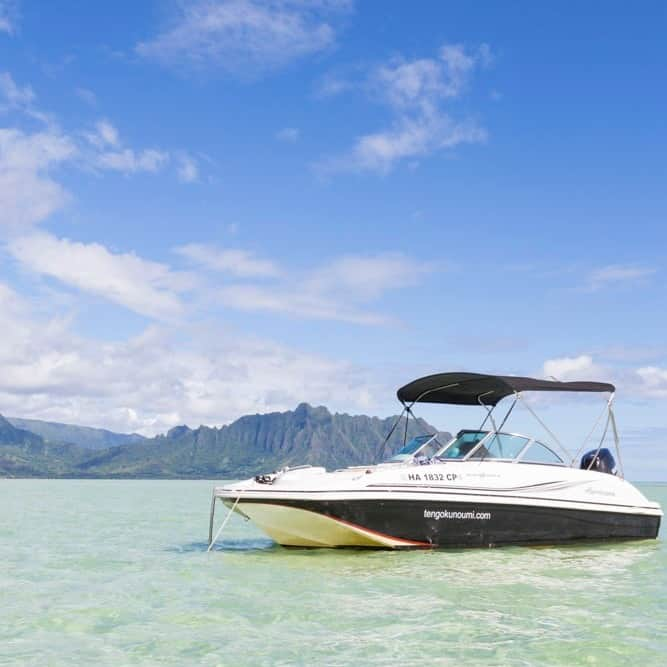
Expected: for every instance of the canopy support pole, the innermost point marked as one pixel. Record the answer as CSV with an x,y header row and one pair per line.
x,y
588,437
407,423
396,423
617,444
509,412
544,426
489,413
599,447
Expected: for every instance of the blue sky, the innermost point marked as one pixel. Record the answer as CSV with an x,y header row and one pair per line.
x,y
220,207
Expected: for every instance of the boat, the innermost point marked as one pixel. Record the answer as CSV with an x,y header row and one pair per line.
x,y
484,487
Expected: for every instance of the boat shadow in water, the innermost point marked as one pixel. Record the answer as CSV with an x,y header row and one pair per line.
x,y
229,545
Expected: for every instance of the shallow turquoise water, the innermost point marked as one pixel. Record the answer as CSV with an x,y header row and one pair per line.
x,y
115,573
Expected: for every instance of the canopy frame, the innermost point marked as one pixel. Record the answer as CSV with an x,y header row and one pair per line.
x,y
441,388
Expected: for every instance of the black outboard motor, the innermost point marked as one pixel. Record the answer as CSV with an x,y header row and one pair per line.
x,y
602,461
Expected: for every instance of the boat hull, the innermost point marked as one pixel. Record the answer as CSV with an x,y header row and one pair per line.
x,y
405,523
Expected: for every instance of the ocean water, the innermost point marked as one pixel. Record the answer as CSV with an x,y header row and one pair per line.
x,y
116,573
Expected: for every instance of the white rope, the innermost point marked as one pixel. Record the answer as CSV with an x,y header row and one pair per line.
x,y
224,523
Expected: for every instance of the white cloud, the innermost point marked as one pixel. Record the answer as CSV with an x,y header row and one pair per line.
x,y
409,138
615,274
20,98
155,380
566,369
241,36
644,382
188,170
148,288
288,134
363,277
110,153
654,381
104,135
288,300
14,94
236,262
28,192
417,92
409,84
7,16
129,161
340,290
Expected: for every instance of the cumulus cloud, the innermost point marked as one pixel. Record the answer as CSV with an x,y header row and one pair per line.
x,y
406,84
417,92
654,380
148,288
28,191
644,382
152,381
244,36
566,369
111,154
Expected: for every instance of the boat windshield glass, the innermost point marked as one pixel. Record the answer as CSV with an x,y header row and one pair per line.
x,y
462,446
539,453
414,446
501,446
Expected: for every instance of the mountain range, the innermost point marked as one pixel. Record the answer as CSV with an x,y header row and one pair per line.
x,y
247,446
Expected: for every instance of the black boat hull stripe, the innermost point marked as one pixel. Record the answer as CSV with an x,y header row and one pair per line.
x,y
445,524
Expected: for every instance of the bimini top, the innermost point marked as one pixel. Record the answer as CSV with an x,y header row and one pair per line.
x,y
471,388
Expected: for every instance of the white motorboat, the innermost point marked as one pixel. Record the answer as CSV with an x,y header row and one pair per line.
x,y
485,487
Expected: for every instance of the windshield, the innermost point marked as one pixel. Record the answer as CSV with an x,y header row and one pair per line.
x,y
465,441
499,446
417,446
502,446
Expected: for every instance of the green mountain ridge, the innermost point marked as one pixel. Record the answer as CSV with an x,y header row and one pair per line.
x,y
26,454
249,445
83,436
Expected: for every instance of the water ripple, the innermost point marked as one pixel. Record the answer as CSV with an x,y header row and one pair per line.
x,y
111,573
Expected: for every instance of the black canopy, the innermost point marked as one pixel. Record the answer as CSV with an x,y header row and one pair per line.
x,y
467,388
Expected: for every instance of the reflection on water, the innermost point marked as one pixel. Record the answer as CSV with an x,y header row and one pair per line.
x,y
117,573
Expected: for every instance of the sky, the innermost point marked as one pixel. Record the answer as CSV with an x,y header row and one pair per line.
x,y
221,207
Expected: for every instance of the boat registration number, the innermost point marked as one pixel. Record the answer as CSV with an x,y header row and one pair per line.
x,y
432,477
